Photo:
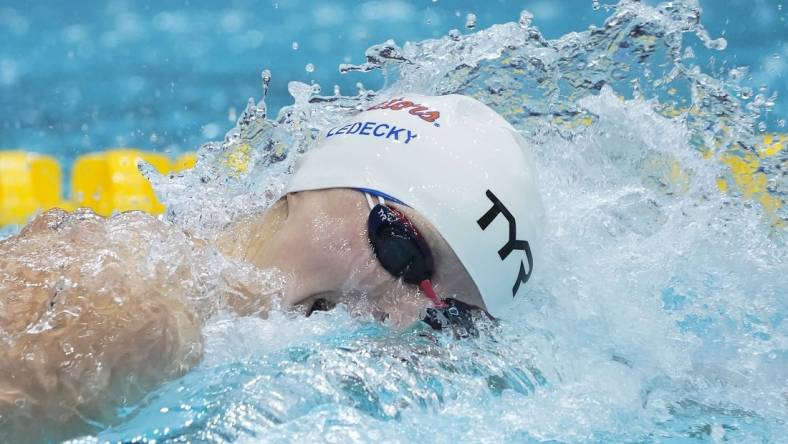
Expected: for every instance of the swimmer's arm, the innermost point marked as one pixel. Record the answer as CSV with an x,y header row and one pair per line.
x,y
85,355
74,347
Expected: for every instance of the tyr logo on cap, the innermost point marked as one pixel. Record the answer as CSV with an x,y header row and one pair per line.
x,y
512,243
421,111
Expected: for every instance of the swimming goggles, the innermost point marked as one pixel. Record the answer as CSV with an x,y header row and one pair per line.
x,y
400,248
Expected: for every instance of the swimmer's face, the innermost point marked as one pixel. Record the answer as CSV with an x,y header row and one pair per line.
x,y
320,242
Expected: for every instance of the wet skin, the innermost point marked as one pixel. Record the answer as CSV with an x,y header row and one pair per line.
x,y
95,312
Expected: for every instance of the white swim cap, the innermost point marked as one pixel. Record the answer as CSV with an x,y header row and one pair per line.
x,y
456,162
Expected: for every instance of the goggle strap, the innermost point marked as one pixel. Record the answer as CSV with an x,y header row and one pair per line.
x,y
371,203
429,291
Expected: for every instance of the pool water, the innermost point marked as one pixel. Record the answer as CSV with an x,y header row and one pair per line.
x,y
658,312
169,75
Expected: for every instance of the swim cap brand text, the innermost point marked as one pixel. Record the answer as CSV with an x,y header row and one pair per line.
x,y
374,129
512,242
415,109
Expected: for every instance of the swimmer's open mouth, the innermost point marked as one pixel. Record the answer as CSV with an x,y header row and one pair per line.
x,y
320,304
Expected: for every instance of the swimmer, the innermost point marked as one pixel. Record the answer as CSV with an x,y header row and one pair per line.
x,y
419,208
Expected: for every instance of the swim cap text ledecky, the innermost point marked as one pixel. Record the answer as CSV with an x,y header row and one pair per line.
x,y
374,129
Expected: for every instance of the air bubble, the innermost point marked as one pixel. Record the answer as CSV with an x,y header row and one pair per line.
x,y
309,67
294,46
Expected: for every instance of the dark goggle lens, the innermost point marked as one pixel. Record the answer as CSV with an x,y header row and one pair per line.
x,y
398,246
400,256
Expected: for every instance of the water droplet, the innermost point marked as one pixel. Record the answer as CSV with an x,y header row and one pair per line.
x,y
717,433
295,46
309,67
265,75
718,44
525,18
67,348
470,20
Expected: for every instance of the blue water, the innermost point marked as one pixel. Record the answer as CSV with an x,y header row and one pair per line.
x,y
83,76
659,311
